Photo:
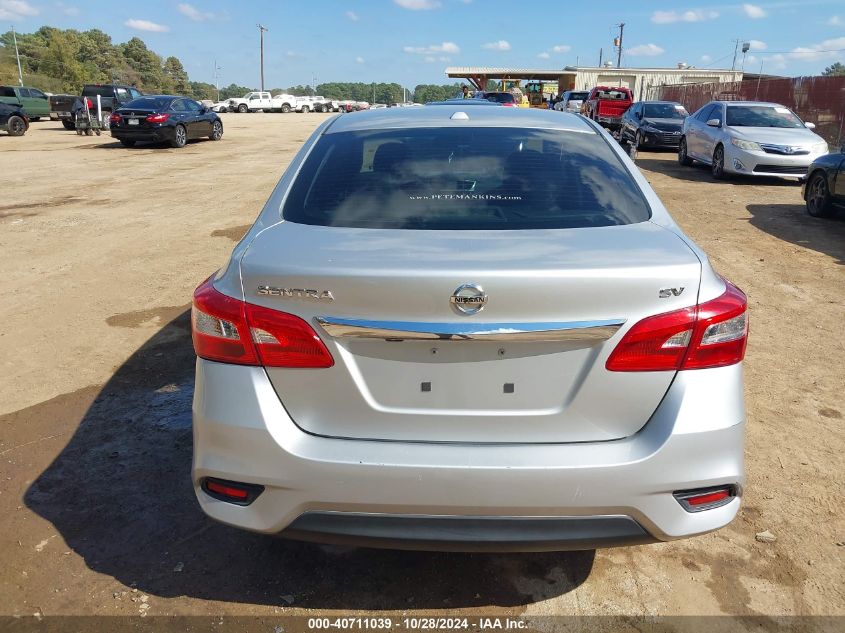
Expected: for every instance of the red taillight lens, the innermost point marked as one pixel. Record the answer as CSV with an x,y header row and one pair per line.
x,y
115,118
705,498
712,334
231,491
89,103
231,331
157,118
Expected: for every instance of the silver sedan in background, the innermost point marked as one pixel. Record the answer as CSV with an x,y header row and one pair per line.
x,y
468,328
751,138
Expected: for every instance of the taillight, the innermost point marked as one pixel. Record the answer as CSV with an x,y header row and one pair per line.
x,y
705,498
711,334
232,491
157,118
115,118
231,331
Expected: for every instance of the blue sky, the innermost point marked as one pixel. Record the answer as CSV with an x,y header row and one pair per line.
x,y
412,41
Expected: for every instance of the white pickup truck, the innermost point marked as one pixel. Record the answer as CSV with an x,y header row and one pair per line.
x,y
252,102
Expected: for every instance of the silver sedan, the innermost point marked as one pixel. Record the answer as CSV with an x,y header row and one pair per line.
x,y
750,138
473,329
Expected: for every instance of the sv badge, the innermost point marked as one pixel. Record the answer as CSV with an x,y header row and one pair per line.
x,y
665,293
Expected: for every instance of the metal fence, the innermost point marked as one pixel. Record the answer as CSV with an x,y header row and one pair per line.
x,y
820,100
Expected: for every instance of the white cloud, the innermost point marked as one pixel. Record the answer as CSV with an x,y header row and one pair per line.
x,y
757,45
446,47
645,50
561,48
193,13
835,20
819,51
418,5
706,59
692,15
501,45
359,60
544,55
753,11
16,10
352,16
146,25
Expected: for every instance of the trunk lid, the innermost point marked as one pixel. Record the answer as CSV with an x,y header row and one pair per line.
x,y
405,365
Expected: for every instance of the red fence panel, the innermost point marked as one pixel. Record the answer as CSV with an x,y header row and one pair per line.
x,y
820,100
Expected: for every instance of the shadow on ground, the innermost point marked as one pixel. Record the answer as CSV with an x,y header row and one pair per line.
x,y
701,173
120,495
791,223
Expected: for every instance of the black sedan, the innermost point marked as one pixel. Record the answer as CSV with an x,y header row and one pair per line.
x,y
13,119
160,118
653,124
825,185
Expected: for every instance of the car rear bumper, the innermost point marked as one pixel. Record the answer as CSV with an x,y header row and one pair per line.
x,y
154,135
753,163
463,496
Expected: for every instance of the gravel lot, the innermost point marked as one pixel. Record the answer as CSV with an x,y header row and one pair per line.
x,y
101,247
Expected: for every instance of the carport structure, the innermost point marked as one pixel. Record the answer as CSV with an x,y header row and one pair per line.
x,y
478,76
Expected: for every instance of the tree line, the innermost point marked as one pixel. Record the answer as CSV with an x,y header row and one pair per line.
x,y
61,61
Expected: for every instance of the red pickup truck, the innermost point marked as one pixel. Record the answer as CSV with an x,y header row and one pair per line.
x,y
606,105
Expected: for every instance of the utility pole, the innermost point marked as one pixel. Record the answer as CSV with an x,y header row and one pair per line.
x,y
618,43
17,56
601,53
262,29
736,49
217,70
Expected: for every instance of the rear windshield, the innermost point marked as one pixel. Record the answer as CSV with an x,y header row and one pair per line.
x,y
93,91
611,94
762,116
578,96
464,179
499,97
148,103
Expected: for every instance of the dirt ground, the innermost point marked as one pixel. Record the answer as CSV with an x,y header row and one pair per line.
x,y
100,249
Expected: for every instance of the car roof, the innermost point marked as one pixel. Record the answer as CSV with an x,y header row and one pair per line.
x,y
750,103
656,102
442,116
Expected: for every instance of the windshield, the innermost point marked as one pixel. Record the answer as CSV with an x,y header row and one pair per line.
x,y
762,116
148,103
664,111
499,97
464,179
578,96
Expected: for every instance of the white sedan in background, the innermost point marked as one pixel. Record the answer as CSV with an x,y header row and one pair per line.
x,y
751,138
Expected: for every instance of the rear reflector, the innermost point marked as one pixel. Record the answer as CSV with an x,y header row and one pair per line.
x,y
705,498
711,334
231,491
228,330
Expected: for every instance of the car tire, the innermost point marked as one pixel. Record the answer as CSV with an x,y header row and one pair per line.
x,y
717,166
638,140
216,131
69,125
105,124
180,137
285,108
16,126
127,142
683,157
305,110
243,108
819,203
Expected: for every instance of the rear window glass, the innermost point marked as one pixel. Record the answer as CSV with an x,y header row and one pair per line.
x,y
5,91
499,97
578,96
93,91
464,179
148,103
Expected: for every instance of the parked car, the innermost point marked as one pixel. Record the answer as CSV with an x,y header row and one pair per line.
x,y
825,185
63,107
112,97
571,101
606,105
13,119
31,100
164,118
751,138
220,106
415,344
653,124
505,98
251,102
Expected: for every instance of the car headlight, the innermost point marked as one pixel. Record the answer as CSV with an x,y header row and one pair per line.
x,y
822,148
746,145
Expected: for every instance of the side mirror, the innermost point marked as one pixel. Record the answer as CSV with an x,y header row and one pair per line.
x,y
809,126
714,123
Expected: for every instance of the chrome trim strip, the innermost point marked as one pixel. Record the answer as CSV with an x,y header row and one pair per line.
x,y
590,331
